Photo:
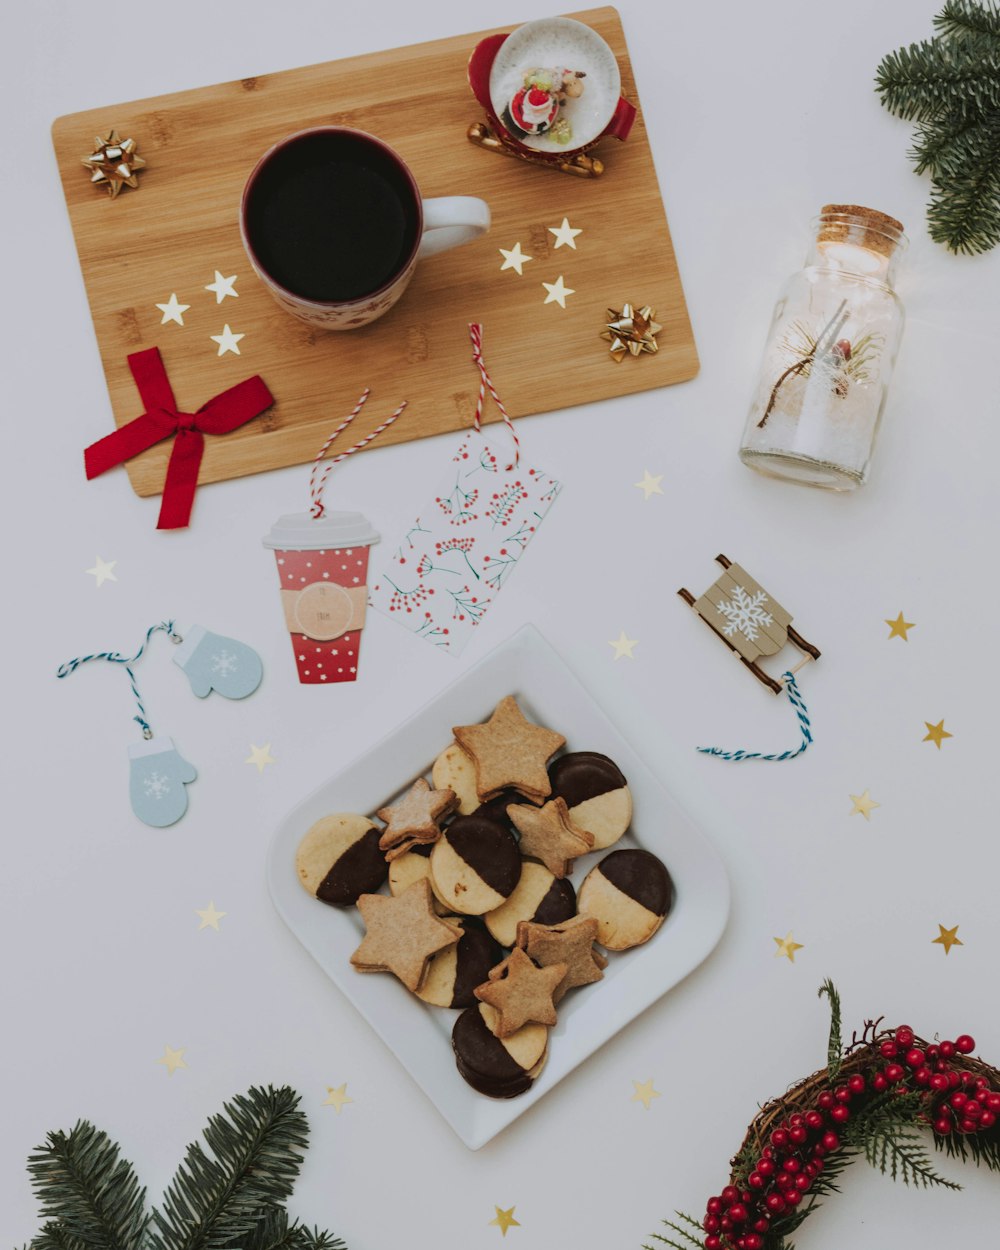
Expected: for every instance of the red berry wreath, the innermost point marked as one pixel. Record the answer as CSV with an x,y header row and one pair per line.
x,y
872,1099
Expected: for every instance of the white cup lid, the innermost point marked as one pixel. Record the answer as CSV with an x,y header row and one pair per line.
x,y
300,531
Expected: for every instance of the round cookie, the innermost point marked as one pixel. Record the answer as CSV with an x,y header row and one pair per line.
x,y
454,770
539,896
456,971
414,865
628,894
495,809
596,793
497,1069
475,865
339,859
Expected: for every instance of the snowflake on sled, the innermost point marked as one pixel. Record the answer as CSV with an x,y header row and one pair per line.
x,y
744,613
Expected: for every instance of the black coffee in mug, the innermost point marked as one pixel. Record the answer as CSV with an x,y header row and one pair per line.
x,y
332,216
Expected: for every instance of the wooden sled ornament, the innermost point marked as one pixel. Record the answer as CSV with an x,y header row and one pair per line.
x,y
748,620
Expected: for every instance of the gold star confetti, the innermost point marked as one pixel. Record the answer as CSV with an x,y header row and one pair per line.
x,y
936,733
227,341
173,310
172,1059
223,287
644,1093
631,332
513,259
565,234
947,938
336,1098
623,646
898,627
787,947
504,1220
103,571
649,485
114,163
210,917
864,805
557,292
260,757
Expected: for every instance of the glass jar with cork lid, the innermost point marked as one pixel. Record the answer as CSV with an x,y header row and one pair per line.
x,y
829,355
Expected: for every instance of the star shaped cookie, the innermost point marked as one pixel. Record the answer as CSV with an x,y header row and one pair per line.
x,y
570,943
546,834
522,994
415,817
509,751
403,933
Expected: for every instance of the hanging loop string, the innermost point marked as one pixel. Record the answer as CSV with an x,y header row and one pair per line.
x,y
795,698
476,335
116,657
317,479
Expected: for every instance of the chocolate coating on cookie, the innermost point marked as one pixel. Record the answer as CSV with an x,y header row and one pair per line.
x,y
492,1067
455,972
539,896
596,793
629,893
475,866
339,859
641,876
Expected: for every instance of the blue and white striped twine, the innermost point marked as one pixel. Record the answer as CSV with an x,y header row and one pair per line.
x,y
115,657
792,690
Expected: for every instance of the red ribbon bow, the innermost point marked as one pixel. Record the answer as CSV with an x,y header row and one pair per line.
x,y
161,419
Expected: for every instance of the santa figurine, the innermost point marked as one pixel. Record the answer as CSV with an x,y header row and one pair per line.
x,y
534,107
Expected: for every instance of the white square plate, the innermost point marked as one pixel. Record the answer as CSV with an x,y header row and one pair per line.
x,y
527,667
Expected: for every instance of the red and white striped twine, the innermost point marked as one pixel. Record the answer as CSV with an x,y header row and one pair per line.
x,y
317,479
476,334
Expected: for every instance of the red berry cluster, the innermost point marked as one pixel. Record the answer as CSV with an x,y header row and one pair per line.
x,y
957,1101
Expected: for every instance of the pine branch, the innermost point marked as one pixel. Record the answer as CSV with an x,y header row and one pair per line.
x,y
982,1147
835,1045
885,1132
948,145
926,79
91,1193
965,19
54,1237
212,1202
689,1240
274,1231
964,212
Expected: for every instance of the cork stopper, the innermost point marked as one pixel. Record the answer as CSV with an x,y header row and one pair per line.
x,y
865,227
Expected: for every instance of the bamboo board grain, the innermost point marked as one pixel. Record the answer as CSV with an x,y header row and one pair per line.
x,y
172,234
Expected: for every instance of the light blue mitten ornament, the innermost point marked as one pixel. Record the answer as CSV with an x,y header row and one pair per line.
x,y
157,776
214,662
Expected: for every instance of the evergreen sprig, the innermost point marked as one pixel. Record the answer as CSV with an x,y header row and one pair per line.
x,y
950,85
230,1197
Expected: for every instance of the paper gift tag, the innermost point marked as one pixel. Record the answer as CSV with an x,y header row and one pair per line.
x,y
453,560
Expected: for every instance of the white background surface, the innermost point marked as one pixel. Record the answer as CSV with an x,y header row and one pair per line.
x,y
758,115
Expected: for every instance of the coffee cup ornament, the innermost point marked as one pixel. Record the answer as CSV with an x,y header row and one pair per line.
x,y
552,91
333,223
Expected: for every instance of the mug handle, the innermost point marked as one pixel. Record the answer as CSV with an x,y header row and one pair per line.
x,y
451,220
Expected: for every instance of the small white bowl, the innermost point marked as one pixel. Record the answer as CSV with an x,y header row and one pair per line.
x,y
548,43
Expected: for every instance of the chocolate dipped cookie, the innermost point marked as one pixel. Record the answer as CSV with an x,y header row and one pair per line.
x,y
499,1069
455,972
475,865
629,893
596,794
339,859
538,896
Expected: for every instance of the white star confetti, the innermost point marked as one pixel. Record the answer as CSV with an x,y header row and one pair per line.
x,y
649,485
103,571
173,310
223,287
623,646
557,292
565,234
514,258
227,341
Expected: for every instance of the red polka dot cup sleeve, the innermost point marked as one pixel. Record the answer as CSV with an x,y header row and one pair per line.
x,y
323,575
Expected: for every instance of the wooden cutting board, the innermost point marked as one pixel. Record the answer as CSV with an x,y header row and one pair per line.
x,y
172,234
